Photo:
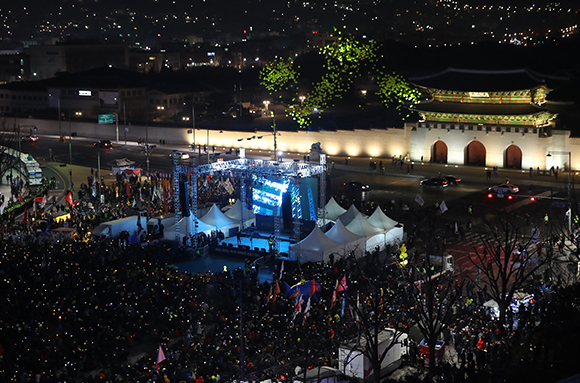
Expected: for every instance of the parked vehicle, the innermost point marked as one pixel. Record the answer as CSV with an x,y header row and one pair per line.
x,y
32,138
505,188
439,182
106,144
113,229
355,185
355,364
452,180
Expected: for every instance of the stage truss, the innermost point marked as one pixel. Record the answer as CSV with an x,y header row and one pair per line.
x,y
241,168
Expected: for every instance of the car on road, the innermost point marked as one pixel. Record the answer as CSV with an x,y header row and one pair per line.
x,y
439,182
182,155
104,144
355,185
452,180
505,188
32,138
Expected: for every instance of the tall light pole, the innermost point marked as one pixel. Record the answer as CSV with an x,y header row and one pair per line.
x,y
193,123
275,138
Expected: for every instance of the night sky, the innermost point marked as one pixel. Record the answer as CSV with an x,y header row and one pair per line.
x,y
144,21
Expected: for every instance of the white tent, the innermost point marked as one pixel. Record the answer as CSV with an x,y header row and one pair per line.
x,y
381,220
219,221
316,247
235,213
394,236
374,235
186,227
351,241
333,210
350,214
361,226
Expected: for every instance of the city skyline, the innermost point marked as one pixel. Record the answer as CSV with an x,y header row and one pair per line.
x,y
146,23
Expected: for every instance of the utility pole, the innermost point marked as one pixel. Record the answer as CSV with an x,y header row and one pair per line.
x,y
69,140
117,125
275,138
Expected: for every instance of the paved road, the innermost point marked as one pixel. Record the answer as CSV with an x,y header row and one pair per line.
x,y
394,184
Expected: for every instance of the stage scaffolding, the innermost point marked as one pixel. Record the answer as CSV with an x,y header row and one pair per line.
x,y
241,168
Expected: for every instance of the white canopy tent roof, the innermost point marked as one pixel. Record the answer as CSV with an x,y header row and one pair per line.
x,y
186,227
235,213
219,221
351,241
216,218
340,233
333,210
350,214
316,247
361,226
381,220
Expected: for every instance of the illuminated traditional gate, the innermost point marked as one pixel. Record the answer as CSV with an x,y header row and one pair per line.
x,y
475,154
513,157
439,153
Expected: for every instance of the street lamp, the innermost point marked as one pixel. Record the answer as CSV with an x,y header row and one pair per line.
x,y
266,103
275,138
302,98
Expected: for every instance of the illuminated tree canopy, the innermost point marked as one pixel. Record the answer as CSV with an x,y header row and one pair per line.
x,y
346,61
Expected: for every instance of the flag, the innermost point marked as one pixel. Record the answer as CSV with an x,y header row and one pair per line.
x,y
297,306
342,309
269,295
276,292
69,198
282,269
43,203
443,207
160,357
295,294
333,298
306,312
419,200
128,191
19,197
25,216
342,285
313,288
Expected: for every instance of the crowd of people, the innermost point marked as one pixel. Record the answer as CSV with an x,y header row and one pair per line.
x,y
97,310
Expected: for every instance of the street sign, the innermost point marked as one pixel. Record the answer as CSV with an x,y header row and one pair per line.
x,y
106,119
500,193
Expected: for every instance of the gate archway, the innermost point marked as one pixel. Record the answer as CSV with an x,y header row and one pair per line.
x,y
475,154
439,153
512,157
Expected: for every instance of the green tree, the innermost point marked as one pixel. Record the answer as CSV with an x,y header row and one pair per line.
x,y
347,60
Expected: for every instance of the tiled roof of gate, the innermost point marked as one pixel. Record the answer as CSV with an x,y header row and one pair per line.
x,y
478,109
467,80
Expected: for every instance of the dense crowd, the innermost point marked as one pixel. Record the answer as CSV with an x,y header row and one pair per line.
x,y
92,311
76,311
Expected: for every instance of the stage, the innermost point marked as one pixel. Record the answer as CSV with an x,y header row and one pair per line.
x,y
256,242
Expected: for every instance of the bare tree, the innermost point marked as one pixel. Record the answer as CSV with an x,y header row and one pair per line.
x,y
507,260
434,295
379,317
